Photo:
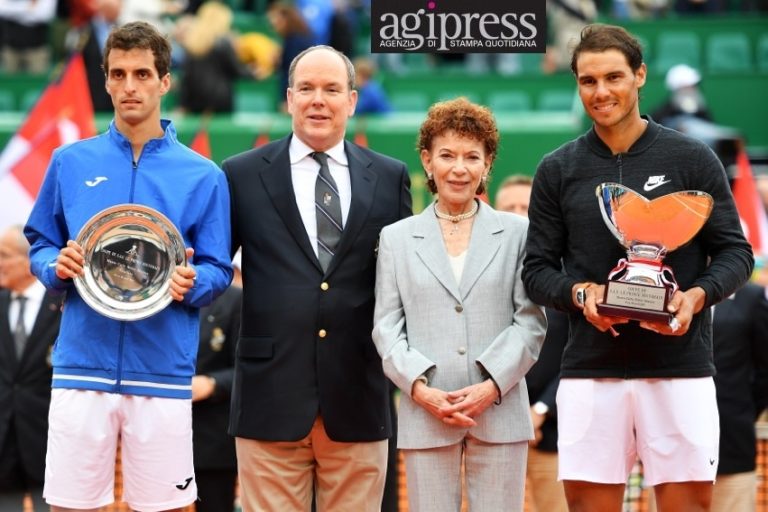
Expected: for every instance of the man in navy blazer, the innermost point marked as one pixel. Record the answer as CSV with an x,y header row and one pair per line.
x,y
310,407
25,374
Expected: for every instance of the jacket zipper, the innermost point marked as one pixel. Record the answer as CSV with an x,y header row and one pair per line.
x,y
620,164
134,170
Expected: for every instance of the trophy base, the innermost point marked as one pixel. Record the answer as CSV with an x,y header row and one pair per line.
x,y
634,314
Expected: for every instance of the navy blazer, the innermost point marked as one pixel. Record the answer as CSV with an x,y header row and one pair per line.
x,y
305,344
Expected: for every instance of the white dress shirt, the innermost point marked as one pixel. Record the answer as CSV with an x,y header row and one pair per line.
x,y
304,171
34,295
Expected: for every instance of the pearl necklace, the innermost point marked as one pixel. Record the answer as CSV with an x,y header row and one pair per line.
x,y
455,219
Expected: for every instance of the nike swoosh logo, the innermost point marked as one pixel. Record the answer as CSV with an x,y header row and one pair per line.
x,y
96,181
186,483
648,187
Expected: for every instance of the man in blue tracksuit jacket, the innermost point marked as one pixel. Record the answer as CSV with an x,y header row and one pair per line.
x,y
130,379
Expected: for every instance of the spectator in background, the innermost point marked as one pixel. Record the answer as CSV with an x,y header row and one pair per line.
x,y
29,324
154,12
211,66
685,97
566,19
91,38
546,492
341,35
24,35
740,339
259,52
371,99
214,448
296,36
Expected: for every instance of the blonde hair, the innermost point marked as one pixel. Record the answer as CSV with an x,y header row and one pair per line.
x,y
213,21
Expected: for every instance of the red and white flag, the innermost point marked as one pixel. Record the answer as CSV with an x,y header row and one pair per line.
x,y
62,114
750,207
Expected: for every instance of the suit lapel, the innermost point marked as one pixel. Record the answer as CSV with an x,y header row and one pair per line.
x,y
363,184
483,246
431,250
276,177
46,315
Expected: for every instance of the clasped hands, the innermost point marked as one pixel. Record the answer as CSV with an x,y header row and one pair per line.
x,y
71,258
457,408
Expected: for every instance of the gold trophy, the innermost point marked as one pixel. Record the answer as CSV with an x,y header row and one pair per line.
x,y
640,285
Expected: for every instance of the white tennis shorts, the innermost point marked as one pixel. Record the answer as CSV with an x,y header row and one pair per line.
x,y
156,449
672,425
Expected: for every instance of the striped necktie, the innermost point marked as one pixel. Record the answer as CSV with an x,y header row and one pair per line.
x,y
328,212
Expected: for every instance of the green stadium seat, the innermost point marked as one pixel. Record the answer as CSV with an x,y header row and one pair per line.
x,y
409,101
645,44
557,100
682,47
452,95
253,101
7,101
762,53
530,63
509,101
728,53
29,98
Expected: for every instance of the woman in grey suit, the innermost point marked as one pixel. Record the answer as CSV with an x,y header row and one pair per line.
x,y
454,327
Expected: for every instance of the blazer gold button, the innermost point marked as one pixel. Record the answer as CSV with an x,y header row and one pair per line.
x,y
322,333
459,308
324,286
462,350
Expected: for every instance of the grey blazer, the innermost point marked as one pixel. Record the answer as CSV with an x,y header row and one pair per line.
x,y
426,323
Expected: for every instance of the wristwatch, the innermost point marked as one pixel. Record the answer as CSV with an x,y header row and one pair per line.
x,y
540,408
581,296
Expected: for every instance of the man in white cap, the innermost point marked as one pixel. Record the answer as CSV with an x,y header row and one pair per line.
x,y
685,97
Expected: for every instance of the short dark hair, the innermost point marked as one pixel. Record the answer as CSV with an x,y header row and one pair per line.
x,y
599,38
344,58
141,35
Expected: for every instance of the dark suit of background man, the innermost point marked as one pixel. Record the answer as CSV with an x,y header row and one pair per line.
x,y
740,340
25,374
214,448
310,401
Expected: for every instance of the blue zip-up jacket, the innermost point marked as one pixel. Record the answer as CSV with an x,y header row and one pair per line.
x,y
155,356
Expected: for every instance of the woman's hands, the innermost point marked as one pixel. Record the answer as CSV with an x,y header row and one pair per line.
x,y
458,407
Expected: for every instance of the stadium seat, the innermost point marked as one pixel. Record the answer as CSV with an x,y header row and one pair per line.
x,y
409,101
557,100
509,101
452,95
253,101
728,53
29,98
681,47
7,101
762,53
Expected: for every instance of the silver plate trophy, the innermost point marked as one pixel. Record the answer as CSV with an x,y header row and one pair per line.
x,y
640,286
131,252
